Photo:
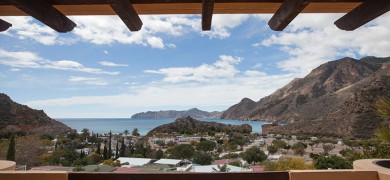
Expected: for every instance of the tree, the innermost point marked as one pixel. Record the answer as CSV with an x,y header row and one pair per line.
x,y
135,132
299,148
109,147
206,146
286,164
117,151
105,152
202,158
98,148
333,162
327,148
11,149
159,154
182,151
126,132
253,155
272,149
279,144
123,148
85,133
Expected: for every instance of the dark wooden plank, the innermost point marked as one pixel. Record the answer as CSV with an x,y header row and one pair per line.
x,y
100,2
4,25
127,13
207,14
180,176
286,13
46,13
364,13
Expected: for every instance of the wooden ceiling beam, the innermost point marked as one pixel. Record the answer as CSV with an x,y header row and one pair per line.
x,y
286,13
127,13
4,25
364,13
46,13
207,14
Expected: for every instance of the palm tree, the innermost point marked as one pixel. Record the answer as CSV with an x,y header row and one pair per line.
x,y
383,108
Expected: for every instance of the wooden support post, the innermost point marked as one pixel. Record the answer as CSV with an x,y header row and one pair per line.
x,y
286,13
207,14
46,13
364,13
127,13
4,25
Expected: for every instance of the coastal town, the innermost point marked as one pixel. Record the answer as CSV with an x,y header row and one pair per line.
x,y
206,151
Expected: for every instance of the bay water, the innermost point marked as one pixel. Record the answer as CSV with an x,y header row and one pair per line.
x,y
118,125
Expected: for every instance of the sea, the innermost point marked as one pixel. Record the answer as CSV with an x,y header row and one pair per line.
x,y
118,125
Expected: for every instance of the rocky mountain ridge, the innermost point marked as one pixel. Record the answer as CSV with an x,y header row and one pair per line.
x,y
194,112
335,98
15,117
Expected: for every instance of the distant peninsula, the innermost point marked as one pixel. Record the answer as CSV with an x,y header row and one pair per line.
x,y
194,112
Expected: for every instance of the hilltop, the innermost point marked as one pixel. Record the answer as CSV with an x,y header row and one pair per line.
x,y
335,98
194,112
190,125
15,117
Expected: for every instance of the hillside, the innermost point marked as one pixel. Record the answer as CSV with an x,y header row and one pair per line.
x,y
239,109
194,112
335,98
15,117
190,125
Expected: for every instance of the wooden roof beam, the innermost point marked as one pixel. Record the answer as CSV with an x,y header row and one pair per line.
x,y
127,13
364,13
207,14
4,25
286,13
46,13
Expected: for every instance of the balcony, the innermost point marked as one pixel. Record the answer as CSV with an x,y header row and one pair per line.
x,y
363,170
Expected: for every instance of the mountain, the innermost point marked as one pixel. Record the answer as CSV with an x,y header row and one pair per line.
x,y
15,117
190,125
194,112
335,98
239,109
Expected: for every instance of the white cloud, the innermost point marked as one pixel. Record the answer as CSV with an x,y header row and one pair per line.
x,y
106,52
15,69
87,80
312,39
112,64
26,59
170,45
222,23
223,68
155,42
257,66
24,27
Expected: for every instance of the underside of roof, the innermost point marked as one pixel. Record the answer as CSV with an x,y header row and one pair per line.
x,y
53,12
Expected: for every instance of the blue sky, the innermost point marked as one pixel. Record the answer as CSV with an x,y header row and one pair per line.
x,y
101,69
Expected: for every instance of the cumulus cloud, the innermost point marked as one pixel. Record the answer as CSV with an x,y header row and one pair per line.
x,y
27,59
312,39
112,64
223,68
88,80
103,30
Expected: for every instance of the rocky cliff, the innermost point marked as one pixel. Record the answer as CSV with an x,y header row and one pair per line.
x,y
239,110
336,98
190,125
194,112
15,117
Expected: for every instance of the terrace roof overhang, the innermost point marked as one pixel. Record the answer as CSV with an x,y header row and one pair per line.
x,y
54,13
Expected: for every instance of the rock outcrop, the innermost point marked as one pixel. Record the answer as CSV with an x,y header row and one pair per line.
x,y
191,126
